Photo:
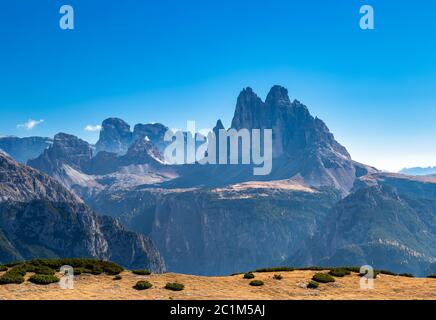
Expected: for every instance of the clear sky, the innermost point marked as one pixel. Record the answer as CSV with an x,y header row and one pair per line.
x,y
171,61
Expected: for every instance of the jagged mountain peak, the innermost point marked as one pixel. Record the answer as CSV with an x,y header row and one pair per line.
x,y
115,136
218,126
278,95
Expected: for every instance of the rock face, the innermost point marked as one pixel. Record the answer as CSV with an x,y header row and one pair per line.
x,y
302,144
115,136
67,149
65,159
154,132
221,231
24,149
39,218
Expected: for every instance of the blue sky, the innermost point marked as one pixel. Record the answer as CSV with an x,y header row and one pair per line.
x,y
171,61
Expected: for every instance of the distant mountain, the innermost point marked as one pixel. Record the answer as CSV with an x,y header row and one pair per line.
x,y
115,136
419,171
388,221
23,149
39,218
72,162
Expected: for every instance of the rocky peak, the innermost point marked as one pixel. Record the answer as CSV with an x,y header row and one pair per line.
x,y
115,136
303,143
248,111
71,150
66,149
219,126
277,96
155,132
142,151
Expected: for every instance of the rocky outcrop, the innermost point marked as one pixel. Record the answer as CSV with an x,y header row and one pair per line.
x,y
153,132
115,136
24,149
39,218
302,144
66,149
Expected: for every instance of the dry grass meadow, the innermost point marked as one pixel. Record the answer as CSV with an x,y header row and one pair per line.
x,y
292,286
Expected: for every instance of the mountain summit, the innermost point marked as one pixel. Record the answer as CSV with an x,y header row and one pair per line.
x,y
302,145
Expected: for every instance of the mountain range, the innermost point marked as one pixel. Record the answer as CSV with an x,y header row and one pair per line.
x,y
317,206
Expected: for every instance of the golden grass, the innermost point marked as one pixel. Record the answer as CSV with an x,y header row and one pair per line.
x,y
292,286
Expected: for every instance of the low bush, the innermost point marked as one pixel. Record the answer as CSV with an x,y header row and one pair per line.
x,y
256,283
248,275
43,279
40,270
433,276
117,277
92,265
312,285
3,268
174,286
339,272
375,274
323,278
11,277
277,277
142,285
142,272
79,271
387,272
408,275
96,270
275,269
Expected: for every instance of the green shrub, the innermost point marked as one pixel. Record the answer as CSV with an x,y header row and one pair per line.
x,y
142,272
96,270
111,268
275,269
338,272
20,269
323,278
43,279
174,286
117,277
312,268
3,268
433,276
248,275
277,277
313,285
352,269
142,285
376,273
256,283
408,275
387,272
11,277
92,265
41,270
